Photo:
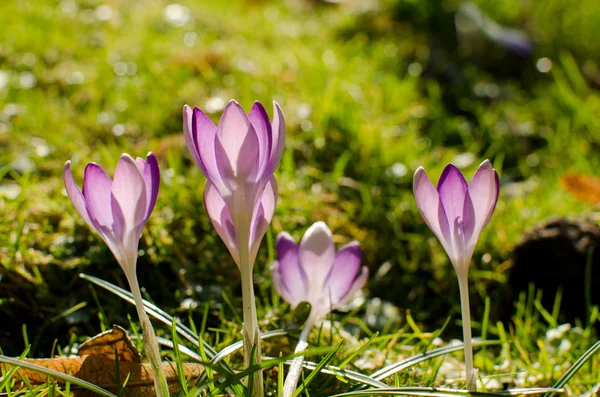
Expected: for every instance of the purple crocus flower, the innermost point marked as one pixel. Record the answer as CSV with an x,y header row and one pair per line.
x,y
117,209
314,272
457,212
238,158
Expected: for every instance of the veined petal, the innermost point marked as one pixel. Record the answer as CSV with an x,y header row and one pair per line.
x,y
432,211
188,133
483,192
259,119
263,214
278,139
97,191
428,203
343,272
293,276
356,285
129,191
452,189
236,147
75,195
151,174
221,219
316,253
279,285
204,135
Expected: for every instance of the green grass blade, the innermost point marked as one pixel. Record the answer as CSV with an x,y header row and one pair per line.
x,y
324,361
359,350
563,380
444,392
57,375
418,358
157,313
178,359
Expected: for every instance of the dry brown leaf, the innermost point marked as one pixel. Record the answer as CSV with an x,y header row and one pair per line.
x,y
584,187
96,364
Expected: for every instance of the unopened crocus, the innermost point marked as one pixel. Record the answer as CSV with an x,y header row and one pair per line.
x,y
239,157
118,210
314,272
457,212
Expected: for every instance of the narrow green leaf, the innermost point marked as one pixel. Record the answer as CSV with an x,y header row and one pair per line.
x,y
57,375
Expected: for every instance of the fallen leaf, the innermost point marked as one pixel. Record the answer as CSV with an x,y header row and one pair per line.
x,y
96,364
584,187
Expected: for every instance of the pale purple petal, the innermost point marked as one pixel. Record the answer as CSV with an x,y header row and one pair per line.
x,y
483,192
452,189
129,191
293,276
236,147
221,219
428,203
343,272
97,193
204,134
188,132
262,216
279,285
259,119
278,140
356,285
316,253
152,178
75,195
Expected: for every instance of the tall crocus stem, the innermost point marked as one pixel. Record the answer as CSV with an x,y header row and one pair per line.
x,y
251,332
463,285
296,368
150,343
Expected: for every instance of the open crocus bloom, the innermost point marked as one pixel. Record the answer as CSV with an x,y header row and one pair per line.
x,y
117,209
238,158
457,212
313,272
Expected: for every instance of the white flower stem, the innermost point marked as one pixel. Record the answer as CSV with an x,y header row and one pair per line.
x,y
296,368
150,343
463,285
251,333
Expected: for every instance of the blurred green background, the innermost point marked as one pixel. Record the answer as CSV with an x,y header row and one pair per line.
x,y
371,89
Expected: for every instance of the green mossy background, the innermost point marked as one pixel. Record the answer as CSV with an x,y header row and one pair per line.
x,y
370,90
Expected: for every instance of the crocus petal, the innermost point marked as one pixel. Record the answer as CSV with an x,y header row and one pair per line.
x,y
188,132
154,178
429,205
452,189
279,285
129,191
259,119
204,134
316,253
236,147
356,285
278,141
151,174
293,276
483,192
221,219
262,216
343,272
97,193
75,195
